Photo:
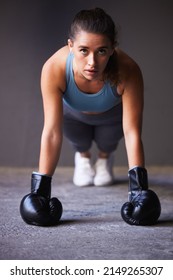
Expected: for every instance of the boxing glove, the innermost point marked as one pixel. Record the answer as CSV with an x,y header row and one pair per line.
x,y
38,208
143,207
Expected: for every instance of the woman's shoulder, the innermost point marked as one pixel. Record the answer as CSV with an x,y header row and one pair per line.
x,y
54,69
58,60
129,71
126,63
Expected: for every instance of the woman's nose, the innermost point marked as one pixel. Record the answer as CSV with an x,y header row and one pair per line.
x,y
91,60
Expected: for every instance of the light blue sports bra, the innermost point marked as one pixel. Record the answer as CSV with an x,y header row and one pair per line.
x,y
101,101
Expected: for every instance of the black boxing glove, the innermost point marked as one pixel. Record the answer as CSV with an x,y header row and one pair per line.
x,y
38,208
144,206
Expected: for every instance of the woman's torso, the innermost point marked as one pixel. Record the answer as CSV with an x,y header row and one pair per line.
x,y
95,97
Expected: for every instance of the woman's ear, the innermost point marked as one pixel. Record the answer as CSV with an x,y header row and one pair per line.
x,y
70,44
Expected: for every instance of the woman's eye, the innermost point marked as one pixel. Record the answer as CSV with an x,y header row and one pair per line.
x,y
102,52
83,51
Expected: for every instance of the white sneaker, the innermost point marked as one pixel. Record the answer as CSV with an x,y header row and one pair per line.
x,y
83,171
104,173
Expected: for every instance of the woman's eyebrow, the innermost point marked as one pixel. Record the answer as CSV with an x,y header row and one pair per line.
x,y
101,47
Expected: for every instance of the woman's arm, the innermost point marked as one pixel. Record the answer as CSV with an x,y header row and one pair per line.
x,y
52,86
37,207
143,205
132,116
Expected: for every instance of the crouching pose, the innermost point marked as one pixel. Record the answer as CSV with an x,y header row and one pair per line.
x,y
92,91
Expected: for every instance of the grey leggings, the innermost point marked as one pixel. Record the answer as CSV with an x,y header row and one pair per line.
x,y
82,129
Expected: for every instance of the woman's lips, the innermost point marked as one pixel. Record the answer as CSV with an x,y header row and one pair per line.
x,y
91,72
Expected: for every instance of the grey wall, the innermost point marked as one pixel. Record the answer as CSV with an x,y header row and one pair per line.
x,y
30,31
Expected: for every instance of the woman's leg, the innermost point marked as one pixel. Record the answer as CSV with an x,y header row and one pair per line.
x,y
107,136
80,136
109,132
105,129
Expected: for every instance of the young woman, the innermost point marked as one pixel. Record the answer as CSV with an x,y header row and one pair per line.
x,y
92,91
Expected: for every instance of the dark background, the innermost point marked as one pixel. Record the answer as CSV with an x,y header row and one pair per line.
x,y
31,31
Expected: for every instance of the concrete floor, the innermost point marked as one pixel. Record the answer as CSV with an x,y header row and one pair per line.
x,y
91,226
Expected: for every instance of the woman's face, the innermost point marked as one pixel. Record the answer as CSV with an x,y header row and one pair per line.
x,y
91,54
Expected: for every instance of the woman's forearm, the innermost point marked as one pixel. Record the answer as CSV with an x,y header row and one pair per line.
x,y
135,152
49,152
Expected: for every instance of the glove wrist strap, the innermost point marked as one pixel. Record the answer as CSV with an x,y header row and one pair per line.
x,y
138,179
41,174
41,184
